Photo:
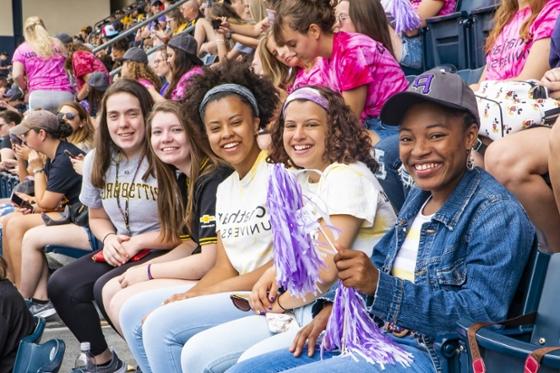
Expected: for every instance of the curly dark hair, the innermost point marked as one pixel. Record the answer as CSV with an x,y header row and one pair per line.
x,y
236,73
347,141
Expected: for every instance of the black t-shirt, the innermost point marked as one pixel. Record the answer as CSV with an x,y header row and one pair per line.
x,y
61,177
15,323
5,142
204,220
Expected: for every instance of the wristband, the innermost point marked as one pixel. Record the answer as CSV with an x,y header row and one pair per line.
x,y
149,270
38,170
107,235
279,305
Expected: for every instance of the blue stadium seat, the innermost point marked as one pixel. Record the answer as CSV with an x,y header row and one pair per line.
x,y
506,349
526,300
66,250
481,23
447,39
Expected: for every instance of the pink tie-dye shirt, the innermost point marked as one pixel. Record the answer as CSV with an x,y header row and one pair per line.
x,y
316,75
358,60
448,6
43,73
179,92
509,54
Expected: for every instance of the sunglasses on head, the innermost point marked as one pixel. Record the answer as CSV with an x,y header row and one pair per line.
x,y
67,116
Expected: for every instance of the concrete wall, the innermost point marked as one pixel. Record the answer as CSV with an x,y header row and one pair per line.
x,y
6,23
65,15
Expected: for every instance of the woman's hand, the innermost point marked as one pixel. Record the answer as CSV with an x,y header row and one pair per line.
x,y
262,26
309,333
356,270
132,246
134,275
551,80
264,293
182,296
78,163
22,151
113,250
35,160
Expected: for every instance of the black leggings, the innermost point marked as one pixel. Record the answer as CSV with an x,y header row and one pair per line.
x,y
72,290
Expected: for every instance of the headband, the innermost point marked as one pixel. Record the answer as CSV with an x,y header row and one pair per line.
x,y
229,88
308,94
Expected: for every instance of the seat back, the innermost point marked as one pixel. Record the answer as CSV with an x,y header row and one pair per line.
x,y
546,331
37,332
482,22
45,357
472,5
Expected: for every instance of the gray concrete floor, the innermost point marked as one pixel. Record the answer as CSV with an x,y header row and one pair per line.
x,y
56,329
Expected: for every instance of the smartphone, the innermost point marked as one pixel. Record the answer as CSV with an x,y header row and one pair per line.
x,y
99,258
271,15
241,302
20,202
15,140
216,23
69,154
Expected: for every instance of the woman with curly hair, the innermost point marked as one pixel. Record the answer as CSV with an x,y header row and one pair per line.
x,y
81,63
318,134
229,104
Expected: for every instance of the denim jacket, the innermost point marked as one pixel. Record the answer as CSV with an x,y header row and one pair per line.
x,y
470,259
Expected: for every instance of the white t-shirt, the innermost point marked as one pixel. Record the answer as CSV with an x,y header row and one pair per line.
x,y
141,194
352,189
243,222
404,265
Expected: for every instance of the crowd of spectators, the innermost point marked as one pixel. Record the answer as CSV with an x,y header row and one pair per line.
x,y
153,156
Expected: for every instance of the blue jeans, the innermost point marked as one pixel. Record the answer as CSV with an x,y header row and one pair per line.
x,y
132,314
168,328
381,129
284,361
249,336
387,155
412,52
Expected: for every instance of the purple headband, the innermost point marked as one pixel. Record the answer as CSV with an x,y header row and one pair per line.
x,y
308,94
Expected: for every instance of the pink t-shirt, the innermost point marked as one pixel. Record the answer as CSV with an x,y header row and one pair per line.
x,y
43,73
179,92
316,75
84,63
358,60
448,6
145,83
509,53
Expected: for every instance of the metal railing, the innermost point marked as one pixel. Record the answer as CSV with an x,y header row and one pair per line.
x,y
138,26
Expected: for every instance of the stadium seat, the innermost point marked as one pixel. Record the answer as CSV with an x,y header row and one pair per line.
x,y
447,39
481,23
66,250
507,349
526,300
44,357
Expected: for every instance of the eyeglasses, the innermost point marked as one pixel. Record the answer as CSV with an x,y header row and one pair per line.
x,y
342,17
67,116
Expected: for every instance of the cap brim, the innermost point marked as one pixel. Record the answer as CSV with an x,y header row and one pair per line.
x,y
19,130
395,108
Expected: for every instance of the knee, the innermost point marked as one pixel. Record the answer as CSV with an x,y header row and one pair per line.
x,y
502,161
108,292
130,319
195,355
58,285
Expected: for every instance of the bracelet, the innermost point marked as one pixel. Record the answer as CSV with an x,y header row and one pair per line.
x,y
107,235
149,270
279,305
38,170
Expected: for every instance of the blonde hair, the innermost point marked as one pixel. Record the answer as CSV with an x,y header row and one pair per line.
x,y
504,14
37,36
281,75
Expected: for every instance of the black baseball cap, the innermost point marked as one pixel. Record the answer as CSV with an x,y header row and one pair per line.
x,y
436,86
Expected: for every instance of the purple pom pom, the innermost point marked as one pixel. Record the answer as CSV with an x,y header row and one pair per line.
x,y
406,18
296,260
351,329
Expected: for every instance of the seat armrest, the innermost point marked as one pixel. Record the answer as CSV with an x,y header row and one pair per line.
x,y
450,16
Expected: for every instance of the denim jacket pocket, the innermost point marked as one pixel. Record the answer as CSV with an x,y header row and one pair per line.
x,y
452,275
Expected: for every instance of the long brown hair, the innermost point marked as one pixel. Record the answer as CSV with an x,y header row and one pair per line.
x,y
173,215
139,70
300,14
505,13
346,141
70,49
85,134
281,75
368,16
105,148
3,268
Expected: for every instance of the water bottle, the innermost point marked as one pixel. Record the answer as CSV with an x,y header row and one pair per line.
x,y
84,361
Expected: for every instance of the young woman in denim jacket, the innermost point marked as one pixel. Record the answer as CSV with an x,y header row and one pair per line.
x,y
466,259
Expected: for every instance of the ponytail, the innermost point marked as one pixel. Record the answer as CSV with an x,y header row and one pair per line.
x,y
37,36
